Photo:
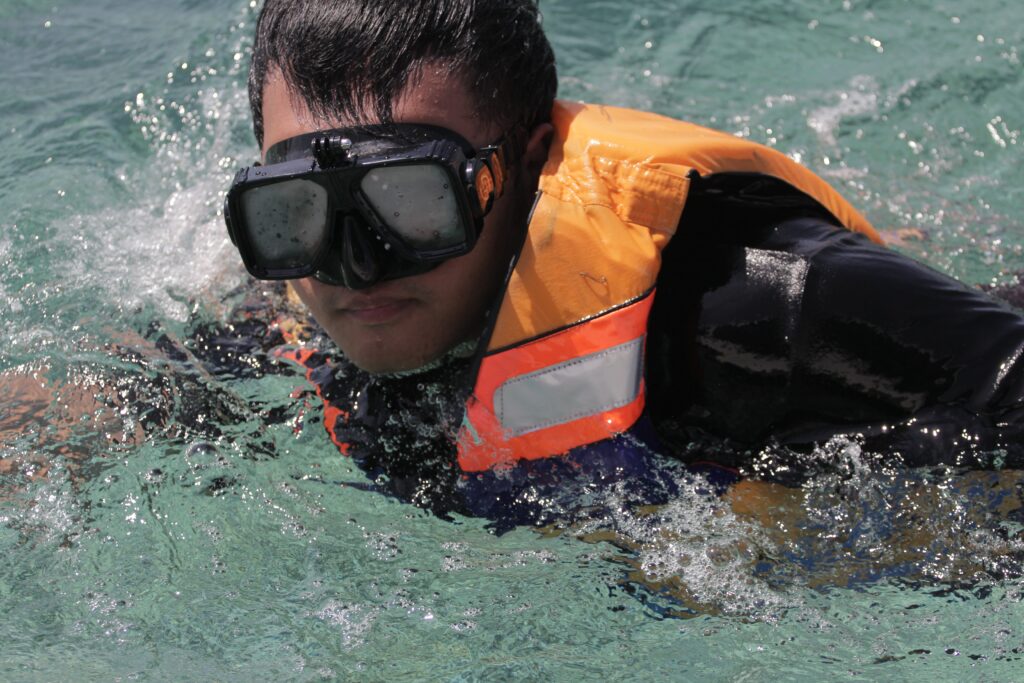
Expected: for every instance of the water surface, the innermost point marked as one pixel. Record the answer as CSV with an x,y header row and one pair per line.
x,y
197,528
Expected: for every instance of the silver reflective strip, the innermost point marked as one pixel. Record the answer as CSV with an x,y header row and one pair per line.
x,y
581,387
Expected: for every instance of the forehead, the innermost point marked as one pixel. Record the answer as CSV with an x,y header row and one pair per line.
x,y
435,96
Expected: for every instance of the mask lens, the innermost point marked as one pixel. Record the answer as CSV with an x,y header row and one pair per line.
x,y
418,203
287,223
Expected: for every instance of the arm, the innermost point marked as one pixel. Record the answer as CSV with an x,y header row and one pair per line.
x,y
805,331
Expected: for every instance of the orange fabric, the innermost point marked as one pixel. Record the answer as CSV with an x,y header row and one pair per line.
x,y
482,444
612,193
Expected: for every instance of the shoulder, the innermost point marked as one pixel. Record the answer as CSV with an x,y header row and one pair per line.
x,y
805,330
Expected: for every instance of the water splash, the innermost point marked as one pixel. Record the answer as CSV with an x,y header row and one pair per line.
x,y
859,100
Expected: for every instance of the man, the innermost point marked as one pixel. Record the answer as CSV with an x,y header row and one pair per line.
x,y
404,145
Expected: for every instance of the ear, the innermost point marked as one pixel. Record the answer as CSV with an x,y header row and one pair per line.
x,y
536,153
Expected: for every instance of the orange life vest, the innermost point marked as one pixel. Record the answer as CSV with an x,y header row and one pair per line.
x,y
564,360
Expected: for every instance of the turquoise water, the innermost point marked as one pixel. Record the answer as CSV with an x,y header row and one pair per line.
x,y
196,529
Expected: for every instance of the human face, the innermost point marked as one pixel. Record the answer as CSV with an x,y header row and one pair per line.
x,y
404,324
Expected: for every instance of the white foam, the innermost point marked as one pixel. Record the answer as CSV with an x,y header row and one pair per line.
x,y
695,547
859,99
354,621
168,244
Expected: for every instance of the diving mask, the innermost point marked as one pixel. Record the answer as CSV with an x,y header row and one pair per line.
x,y
356,206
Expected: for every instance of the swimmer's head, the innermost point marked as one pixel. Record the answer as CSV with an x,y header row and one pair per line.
x,y
481,69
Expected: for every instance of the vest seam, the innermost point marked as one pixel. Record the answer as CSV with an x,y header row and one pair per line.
x,y
564,328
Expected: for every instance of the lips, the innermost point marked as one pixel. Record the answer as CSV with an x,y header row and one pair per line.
x,y
376,310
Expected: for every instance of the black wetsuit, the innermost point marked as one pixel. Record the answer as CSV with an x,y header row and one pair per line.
x,y
772,326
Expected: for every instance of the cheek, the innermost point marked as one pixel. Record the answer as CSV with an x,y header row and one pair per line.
x,y
306,290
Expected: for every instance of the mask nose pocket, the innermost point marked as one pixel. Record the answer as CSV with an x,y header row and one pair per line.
x,y
359,257
358,252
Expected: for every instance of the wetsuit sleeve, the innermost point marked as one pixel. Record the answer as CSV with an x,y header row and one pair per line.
x,y
804,331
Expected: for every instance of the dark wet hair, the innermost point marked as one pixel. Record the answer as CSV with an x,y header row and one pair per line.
x,y
353,58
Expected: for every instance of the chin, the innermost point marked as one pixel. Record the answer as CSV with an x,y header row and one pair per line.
x,y
390,364
407,363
